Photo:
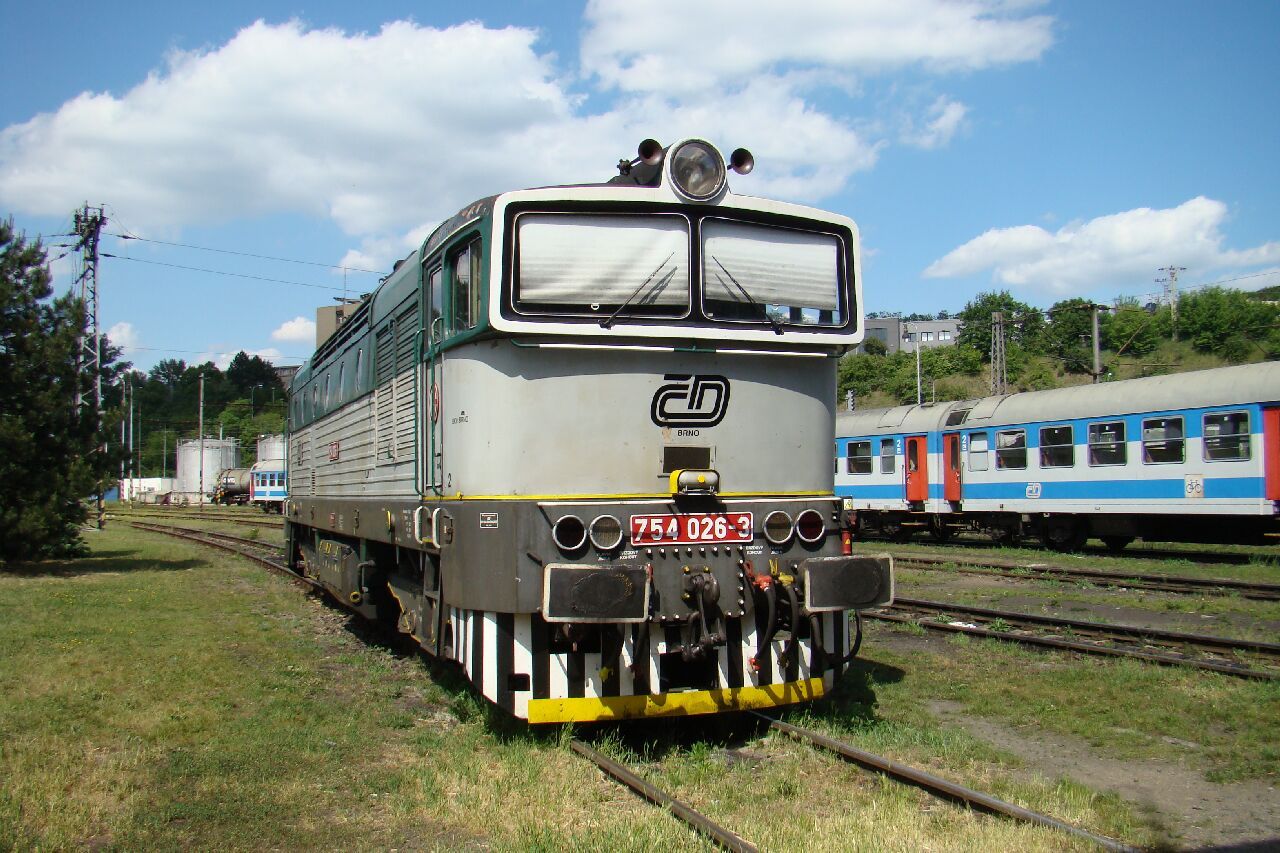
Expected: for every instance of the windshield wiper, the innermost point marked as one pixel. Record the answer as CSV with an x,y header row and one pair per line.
x,y
607,322
777,327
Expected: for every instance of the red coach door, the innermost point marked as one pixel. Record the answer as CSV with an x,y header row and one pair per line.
x,y
1271,450
917,468
951,466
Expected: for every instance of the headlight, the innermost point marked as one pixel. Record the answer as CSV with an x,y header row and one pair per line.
x,y
606,532
697,170
777,527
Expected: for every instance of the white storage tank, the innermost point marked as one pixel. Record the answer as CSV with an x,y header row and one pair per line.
x,y
219,454
271,448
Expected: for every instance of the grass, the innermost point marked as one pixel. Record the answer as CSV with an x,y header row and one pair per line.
x,y
157,695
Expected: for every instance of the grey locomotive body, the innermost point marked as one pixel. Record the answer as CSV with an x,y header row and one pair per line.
x,y
578,443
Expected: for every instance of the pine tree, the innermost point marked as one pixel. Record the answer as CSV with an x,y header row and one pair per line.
x,y
49,456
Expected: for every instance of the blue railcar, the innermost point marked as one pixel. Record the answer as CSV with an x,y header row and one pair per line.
x,y
1191,457
269,485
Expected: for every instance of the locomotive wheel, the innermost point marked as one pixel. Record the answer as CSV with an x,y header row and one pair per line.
x,y
1116,543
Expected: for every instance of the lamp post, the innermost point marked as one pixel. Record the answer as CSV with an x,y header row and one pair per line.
x,y
906,336
252,388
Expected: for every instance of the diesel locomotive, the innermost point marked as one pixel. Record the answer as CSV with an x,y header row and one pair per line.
x,y
579,443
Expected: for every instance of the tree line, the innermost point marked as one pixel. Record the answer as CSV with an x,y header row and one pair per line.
x,y
1234,325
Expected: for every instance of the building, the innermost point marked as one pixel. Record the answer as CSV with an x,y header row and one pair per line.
x,y
898,334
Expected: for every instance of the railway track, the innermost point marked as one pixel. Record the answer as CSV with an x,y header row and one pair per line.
x,y
250,549
264,521
1129,580
1217,654
1263,553
937,786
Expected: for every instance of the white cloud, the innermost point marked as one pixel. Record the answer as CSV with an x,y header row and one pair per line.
x,y
125,336
281,118
674,45
1120,249
297,330
945,117
222,358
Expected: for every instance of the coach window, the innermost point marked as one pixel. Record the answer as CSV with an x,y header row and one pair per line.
x,y
328,400
857,458
978,442
466,288
1162,441
1011,448
1057,449
315,399
888,456
1226,436
1106,444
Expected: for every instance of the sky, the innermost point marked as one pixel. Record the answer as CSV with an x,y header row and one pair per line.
x,y
244,152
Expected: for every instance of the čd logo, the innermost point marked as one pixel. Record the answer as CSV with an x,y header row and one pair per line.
x,y
690,401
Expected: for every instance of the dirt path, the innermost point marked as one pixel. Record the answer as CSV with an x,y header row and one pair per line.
x,y
1193,812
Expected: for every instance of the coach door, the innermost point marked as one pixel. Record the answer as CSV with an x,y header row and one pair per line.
x,y
1271,450
917,468
432,458
951,466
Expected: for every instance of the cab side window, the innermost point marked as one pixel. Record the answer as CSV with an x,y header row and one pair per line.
x,y
466,288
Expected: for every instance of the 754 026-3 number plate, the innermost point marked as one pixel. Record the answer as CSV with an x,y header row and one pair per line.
x,y
692,529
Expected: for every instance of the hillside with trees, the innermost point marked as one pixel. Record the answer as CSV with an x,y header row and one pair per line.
x,y
243,402
1051,348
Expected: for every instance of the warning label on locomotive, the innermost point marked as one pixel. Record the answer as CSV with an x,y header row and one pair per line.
x,y
691,529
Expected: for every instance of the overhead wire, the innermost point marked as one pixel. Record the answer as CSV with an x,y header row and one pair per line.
x,y
128,236
222,272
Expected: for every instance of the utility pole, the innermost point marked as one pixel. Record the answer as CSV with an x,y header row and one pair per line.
x,y
89,223
1097,351
1171,292
999,365
201,428
132,471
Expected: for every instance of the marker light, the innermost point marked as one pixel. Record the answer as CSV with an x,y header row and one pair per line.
x,y
810,527
697,170
569,533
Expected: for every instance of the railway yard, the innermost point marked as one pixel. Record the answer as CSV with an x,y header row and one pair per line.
x,y
1010,699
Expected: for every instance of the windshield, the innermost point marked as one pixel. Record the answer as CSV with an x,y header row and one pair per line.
x,y
599,263
755,272
620,268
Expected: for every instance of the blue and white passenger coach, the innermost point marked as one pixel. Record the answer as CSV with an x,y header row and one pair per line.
x,y
579,442
1190,457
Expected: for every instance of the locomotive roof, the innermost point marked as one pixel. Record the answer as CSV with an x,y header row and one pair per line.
x,y
1222,386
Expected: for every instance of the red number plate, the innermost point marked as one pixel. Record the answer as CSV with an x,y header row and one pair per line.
x,y
691,529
